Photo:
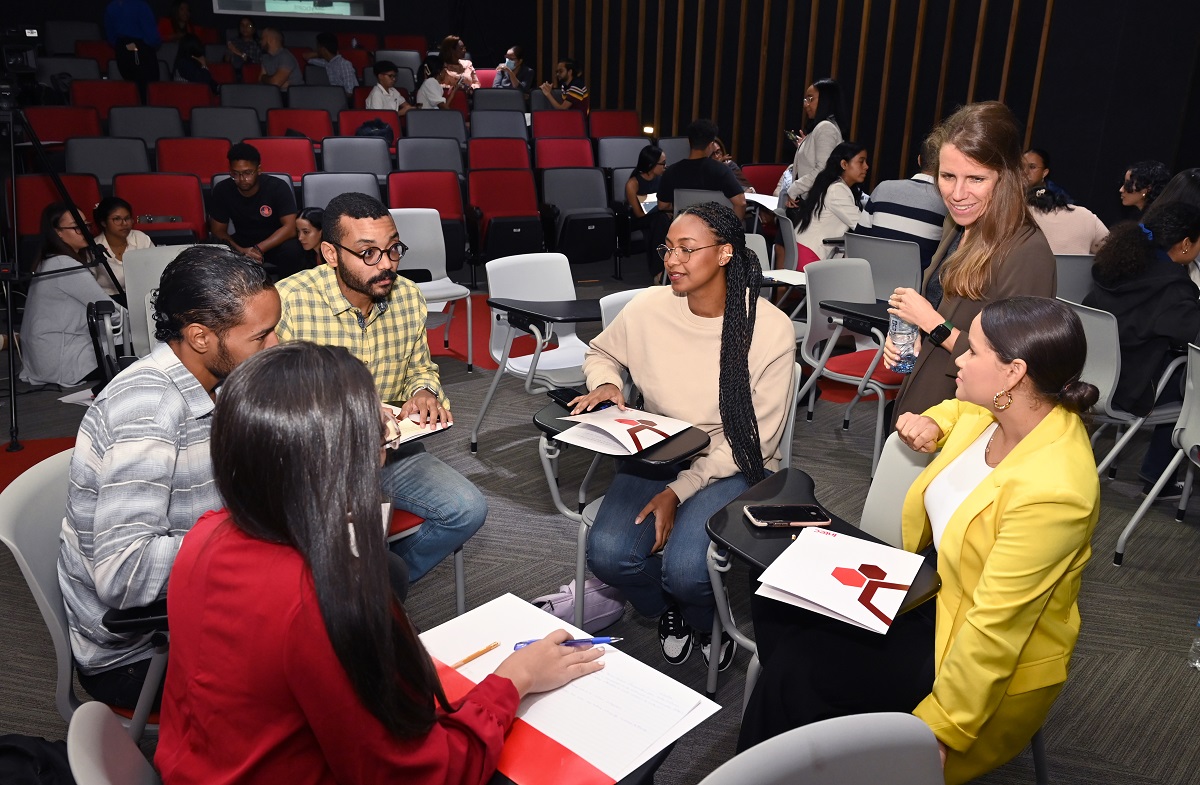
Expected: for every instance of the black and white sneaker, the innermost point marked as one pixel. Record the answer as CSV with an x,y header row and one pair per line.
x,y
729,648
1172,492
674,636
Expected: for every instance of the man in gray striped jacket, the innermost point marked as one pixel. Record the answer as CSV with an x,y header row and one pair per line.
x,y
141,474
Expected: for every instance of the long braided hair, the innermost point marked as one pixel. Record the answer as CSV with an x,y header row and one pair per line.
x,y
743,278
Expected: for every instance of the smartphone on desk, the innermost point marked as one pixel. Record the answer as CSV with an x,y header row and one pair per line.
x,y
785,515
564,395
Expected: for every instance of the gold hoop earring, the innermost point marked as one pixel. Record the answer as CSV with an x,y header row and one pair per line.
x,y
996,400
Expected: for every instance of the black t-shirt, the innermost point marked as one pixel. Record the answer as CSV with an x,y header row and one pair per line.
x,y
701,174
254,218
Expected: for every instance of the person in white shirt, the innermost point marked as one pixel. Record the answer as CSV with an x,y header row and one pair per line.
x,y
384,94
431,95
114,216
832,207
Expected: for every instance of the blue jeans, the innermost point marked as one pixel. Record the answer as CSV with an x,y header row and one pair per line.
x,y
618,551
453,508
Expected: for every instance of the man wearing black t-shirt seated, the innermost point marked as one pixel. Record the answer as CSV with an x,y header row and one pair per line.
x,y
263,213
699,172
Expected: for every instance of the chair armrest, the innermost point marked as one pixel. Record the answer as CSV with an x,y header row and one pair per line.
x,y
144,618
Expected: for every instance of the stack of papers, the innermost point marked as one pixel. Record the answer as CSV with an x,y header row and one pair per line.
x,y
613,431
608,722
841,576
407,427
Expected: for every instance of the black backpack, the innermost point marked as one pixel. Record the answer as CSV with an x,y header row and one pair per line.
x,y
378,128
29,760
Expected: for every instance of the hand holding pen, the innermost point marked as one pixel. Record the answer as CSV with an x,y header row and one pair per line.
x,y
573,642
545,664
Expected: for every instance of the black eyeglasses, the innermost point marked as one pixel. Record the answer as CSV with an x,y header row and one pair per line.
x,y
372,256
684,254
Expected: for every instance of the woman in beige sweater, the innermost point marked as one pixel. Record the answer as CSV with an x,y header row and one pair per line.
x,y
708,350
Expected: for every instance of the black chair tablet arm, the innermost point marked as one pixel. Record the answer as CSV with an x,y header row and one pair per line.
x,y
143,618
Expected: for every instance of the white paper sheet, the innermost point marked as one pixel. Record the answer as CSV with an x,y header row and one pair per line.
x,y
790,277
604,432
83,397
409,429
766,200
615,719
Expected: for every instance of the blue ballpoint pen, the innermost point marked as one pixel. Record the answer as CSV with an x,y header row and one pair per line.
x,y
575,642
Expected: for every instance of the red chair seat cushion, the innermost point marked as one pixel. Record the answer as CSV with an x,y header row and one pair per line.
x,y
856,363
402,521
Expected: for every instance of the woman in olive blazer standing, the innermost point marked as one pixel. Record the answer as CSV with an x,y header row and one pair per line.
x,y
991,247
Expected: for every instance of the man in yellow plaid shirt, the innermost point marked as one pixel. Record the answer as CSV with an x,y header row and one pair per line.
x,y
356,300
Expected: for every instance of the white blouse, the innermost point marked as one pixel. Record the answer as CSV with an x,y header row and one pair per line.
x,y
955,483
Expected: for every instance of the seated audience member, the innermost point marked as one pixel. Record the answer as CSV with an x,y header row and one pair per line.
x,y
570,81
911,210
358,301
721,155
822,132
308,231
648,539
178,24
1144,182
384,96
1183,187
1069,229
56,347
339,70
243,46
279,66
832,206
456,68
700,172
114,216
432,94
141,473
1007,509
1140,276
513,73
290,653
190,63
643,181
263,211
1037,173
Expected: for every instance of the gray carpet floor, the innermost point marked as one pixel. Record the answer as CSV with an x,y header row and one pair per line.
x,y
1125,717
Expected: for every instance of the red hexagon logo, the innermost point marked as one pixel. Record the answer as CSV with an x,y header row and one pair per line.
x,y
872,572
848,577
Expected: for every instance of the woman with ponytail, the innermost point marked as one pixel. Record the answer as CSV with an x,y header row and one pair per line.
x,y
1005,511
1140,276
834,205
708,350
292,658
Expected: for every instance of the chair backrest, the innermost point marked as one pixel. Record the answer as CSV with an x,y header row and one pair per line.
x,y
556,123
316,75
148,123
764,177
291,154
535,277
313,123
615,151
234,123
862,749
143,270
31,515
896,471
686,197
1103,365
612,304
35,191
497,99
538,101
100,51
621,122
350,119
59,123
439,124
893,263
494,125
259,97
320,187
329,98
559,153
405,42
106,157
421,230
498,153
61,35
412,59
487,77
101,751
428,153
575,189
202,157
758,244
356,154
787,235
848,280
1187,429
77,67
1074,276
676,147
103,95
789,422
507,190
184,96
159,198
438,190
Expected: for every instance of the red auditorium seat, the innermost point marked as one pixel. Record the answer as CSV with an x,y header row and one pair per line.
x,y
102,95
200,156
614,123
560,153
553,123
184,96
100,51
313,123
497,154
350,119
439,191
291,155
56,124
160,195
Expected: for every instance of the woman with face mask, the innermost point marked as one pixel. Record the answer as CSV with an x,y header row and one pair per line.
x,y
513,73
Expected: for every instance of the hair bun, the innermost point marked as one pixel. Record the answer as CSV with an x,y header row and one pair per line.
x,y
1078,396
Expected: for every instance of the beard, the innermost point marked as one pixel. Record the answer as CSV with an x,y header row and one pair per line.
x,y
223,364
364,285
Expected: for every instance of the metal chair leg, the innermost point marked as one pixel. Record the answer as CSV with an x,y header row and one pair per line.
x,y
1163,479
154,677
487,399
1040,772
460,583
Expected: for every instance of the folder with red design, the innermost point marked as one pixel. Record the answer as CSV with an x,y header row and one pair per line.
x,y
594,730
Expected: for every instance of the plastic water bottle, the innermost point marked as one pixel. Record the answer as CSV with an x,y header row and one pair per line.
x,y
1194,652
904,338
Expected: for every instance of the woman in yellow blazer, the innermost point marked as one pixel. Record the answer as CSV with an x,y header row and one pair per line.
x,y
1009,505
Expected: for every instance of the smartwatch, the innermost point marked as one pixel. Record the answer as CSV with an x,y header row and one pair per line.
x,y
939,334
